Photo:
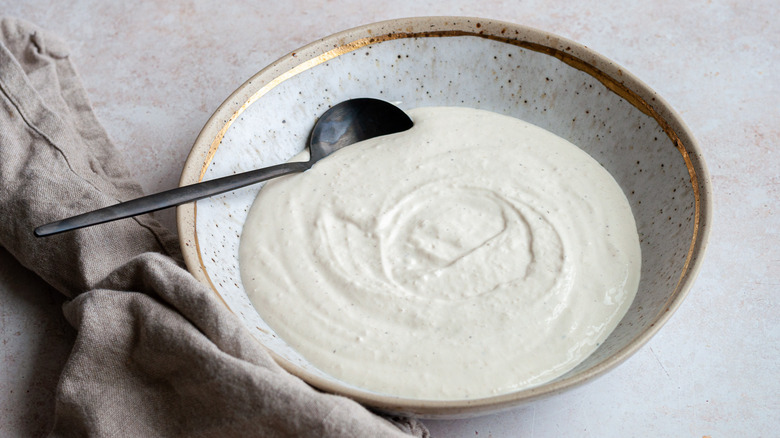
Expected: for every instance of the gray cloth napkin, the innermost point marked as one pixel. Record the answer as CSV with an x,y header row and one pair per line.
x,y
156,354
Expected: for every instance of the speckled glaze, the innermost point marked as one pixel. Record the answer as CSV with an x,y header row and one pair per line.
x,y
526,73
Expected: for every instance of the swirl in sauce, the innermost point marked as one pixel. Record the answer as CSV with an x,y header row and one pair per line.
x,y
473,255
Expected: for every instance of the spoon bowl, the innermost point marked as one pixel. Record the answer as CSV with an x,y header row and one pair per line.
x,y
343,124
353,121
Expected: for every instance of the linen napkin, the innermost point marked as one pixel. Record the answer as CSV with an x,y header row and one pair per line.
x,y
155,354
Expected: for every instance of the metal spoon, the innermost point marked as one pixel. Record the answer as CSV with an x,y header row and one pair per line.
x,y
346,123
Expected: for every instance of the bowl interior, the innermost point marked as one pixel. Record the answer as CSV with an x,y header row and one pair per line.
x,y
551,82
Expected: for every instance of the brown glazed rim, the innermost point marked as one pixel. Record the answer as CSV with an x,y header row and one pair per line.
x,y
576,55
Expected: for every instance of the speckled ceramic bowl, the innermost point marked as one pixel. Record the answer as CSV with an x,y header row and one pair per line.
x,y
557,84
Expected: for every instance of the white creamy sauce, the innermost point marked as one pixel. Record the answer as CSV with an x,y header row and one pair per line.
x,y
473,255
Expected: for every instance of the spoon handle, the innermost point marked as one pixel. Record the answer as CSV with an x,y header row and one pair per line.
x,y
169,198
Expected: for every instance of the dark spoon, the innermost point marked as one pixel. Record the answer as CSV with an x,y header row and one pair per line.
x,y
346,123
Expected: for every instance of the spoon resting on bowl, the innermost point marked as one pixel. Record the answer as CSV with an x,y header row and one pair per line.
x,y
344,124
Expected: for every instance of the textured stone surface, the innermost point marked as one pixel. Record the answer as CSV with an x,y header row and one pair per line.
x,y
157,70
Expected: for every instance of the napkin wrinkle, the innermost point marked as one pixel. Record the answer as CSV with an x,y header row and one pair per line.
x,y
70,134
146,271
63,115
156,353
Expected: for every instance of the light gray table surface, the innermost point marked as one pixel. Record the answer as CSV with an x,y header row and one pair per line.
x,y
155,72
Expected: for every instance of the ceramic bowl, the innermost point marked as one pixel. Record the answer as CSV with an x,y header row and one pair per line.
x,y
533,75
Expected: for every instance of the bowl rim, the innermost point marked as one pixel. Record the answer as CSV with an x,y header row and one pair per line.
x,y
613,76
